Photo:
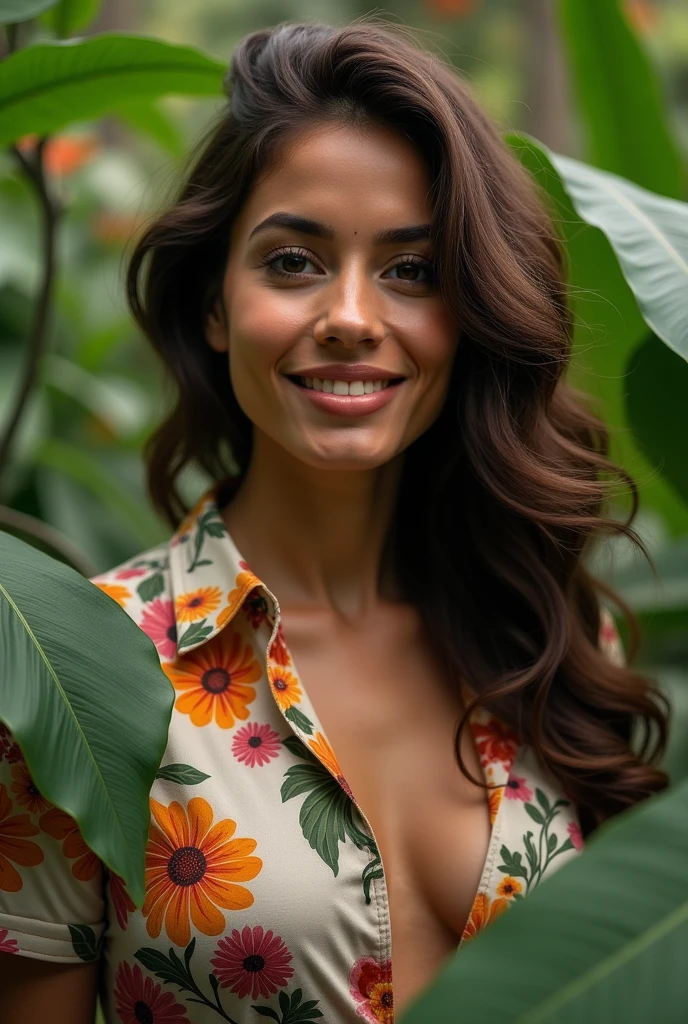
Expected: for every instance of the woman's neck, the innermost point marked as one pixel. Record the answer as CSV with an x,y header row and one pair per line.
x,y
313,536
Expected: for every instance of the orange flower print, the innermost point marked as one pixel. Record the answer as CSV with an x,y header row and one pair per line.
x,y
495,802
13,844
62,826
243,584
483,913
216,680
284,686
370,983
25,792
278,651
117,592
121,900
196,604
509,887
322,750
192,868
496,742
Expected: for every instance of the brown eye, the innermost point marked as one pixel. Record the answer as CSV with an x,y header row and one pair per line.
x,y
293,264
413,272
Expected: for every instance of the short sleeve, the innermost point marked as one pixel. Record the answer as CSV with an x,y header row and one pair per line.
x,y
52,904
610,641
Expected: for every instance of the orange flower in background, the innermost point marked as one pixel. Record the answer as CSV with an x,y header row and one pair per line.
x,y
451,8
285,687
642,14
192,868
117,592
13,844
483,913
115,227
62,826
63,154
216,680
196,604
25,791
509,887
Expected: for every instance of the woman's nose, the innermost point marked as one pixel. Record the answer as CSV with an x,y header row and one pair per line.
x,y
351,311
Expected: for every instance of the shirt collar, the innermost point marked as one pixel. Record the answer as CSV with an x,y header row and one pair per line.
x,y
209,578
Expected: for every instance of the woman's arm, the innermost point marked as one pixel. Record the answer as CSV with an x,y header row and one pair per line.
x,y
37,991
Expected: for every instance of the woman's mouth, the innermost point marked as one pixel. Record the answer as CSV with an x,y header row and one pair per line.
x,y
347,398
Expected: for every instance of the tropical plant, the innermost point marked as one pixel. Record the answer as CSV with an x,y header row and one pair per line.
x,y
626,232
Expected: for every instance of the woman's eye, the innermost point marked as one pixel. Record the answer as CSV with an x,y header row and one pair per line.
x,y
413,272
289,264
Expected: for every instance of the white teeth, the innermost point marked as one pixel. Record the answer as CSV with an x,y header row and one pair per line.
x,y
342,387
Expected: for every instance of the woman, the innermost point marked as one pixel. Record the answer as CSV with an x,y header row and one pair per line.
x,y
385,644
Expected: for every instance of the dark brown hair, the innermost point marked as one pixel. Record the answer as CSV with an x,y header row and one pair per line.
x,y
501,498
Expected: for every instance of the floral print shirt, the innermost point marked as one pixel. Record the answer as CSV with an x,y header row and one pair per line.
x,y
265,892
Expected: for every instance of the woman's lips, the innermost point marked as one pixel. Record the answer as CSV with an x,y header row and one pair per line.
x,y
348,405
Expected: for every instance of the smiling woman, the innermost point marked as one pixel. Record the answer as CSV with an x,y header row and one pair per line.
x,y
400,701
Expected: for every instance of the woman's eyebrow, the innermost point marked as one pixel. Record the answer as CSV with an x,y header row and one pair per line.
x,y
306,226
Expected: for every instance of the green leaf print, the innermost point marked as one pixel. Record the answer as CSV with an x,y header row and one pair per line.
x,y
84,942
197,631
327,816
172,971
210,524
299,749
293,1010
301,721
541,854
183,774
151,588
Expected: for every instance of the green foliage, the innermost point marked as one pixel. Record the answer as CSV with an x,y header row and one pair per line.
x,y
618,96
14,11
49,85
603,939
70,16
649,235
82,690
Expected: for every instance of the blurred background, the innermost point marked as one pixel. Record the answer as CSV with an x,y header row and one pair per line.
x,y
76,464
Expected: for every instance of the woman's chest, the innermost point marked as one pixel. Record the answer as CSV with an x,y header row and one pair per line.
x,y
391,716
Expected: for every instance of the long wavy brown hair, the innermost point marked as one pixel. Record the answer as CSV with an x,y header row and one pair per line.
x,y
501,499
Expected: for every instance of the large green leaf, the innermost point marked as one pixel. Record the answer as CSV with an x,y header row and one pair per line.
x,y
649,235
617,91
656,389
82,691
608,326
14,11
70,16
604,939
46,86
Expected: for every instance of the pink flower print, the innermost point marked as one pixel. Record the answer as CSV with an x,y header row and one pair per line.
x,y
575,835
159,623
370,983
130,574
7,945
252,963
256,744
516,789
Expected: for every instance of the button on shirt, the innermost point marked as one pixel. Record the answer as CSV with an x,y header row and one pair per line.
x,y
265,892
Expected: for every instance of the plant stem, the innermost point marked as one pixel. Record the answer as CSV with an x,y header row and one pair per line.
x,y
51,209
49,536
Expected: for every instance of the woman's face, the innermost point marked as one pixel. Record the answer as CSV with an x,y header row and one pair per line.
x,y
330,263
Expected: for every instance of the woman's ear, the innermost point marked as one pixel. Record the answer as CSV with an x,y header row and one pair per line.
x,y
216,326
